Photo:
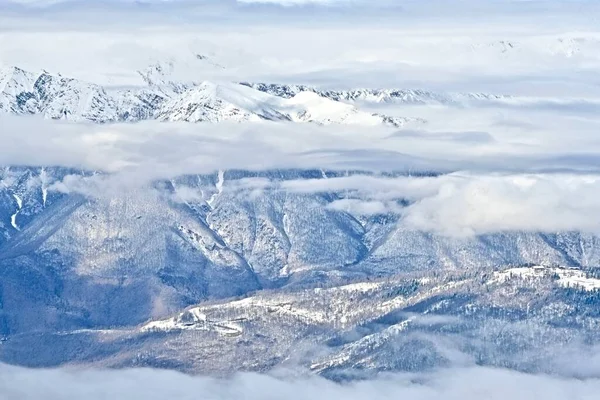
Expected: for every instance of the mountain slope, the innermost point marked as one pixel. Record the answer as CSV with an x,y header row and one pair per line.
x,y
512,318
220,102
80,260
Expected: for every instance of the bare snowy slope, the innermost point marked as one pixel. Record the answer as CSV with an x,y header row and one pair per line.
x,y
221,102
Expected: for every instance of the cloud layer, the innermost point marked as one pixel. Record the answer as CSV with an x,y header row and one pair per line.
x,y
463,204
455,384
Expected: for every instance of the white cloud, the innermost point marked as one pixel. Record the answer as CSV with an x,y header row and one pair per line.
x,y
454,384
363,207
485,204
465,204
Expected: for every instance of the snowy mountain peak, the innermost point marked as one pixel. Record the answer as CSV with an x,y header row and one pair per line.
x,y
13,83
14,76
213,102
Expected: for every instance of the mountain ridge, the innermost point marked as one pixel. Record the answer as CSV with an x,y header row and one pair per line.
x,y
56,97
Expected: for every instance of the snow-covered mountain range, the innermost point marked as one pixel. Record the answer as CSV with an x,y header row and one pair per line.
x,y
58,97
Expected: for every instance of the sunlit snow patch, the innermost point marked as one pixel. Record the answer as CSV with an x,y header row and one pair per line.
x,y
566,277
